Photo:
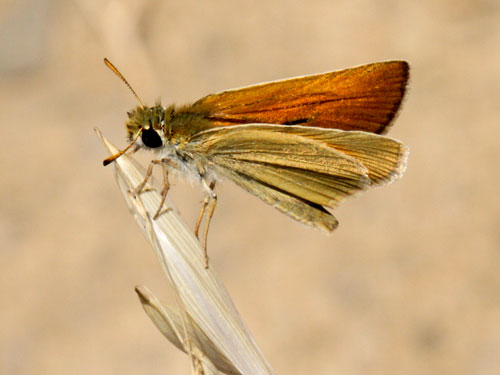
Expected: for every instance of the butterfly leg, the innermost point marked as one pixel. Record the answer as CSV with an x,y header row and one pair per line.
x,y
140,188
200,216
164,190
209,202
166,185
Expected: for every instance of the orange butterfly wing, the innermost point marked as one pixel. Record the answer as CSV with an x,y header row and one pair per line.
x,y
364,98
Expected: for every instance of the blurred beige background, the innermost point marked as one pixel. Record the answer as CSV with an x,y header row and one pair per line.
x,y
408,284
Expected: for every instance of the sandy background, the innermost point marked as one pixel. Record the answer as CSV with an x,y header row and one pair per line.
x,y
408,284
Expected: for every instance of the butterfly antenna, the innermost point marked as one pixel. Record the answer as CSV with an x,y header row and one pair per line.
x,y
117,72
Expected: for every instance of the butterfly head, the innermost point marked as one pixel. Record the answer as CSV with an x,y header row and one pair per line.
x,y
147,124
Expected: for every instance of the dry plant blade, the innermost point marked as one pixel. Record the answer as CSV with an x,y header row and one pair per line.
x,y
169,323
202,297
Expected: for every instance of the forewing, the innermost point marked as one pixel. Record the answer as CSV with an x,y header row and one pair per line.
x,y
364,98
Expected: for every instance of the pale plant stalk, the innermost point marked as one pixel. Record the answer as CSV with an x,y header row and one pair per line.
x,y
207,325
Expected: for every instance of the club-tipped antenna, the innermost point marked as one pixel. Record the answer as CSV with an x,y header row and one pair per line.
x,y
117,72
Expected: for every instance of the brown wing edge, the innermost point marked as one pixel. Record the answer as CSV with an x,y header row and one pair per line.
x,y
397,105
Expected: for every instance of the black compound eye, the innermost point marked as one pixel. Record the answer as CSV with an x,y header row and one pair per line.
x,y
151,138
